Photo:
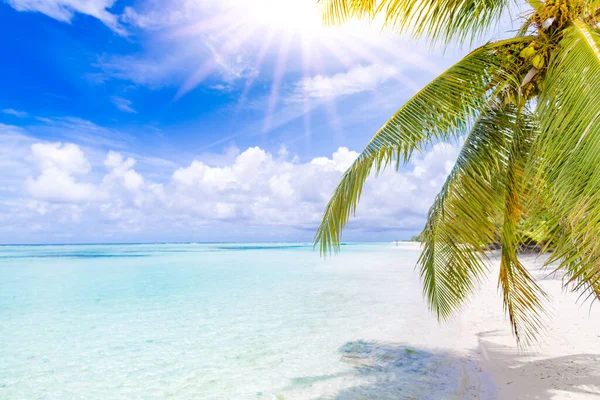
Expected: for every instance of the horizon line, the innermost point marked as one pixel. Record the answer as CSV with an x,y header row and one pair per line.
x,y
308,243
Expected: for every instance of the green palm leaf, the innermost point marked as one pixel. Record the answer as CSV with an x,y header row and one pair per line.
x,y
442,110
529,170
453,256
568,155
484,187
523,297
338,11
440,20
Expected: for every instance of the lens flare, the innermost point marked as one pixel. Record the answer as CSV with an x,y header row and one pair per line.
x,y
290,34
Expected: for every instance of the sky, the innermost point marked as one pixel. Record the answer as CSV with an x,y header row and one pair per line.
x,y
201,120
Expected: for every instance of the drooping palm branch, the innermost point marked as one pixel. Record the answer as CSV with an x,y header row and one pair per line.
x,y
440,111
569,155
484,187
439,20
530,110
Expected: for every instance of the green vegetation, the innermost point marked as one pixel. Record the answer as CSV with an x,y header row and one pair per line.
x,y
529,169
416,238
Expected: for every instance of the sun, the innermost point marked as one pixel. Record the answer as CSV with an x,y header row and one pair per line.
x,y
282,37
296,17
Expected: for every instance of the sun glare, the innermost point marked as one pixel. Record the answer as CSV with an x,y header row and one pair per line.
x,y
300,17
268,34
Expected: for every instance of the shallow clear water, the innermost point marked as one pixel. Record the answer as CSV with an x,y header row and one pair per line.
x,y
216,322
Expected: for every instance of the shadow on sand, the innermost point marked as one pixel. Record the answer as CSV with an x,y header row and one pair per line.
x,y
532,377
394,371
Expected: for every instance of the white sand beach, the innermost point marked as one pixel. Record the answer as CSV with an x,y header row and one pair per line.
x,y
564,365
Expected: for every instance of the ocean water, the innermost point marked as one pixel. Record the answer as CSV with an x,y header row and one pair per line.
x,y
219,321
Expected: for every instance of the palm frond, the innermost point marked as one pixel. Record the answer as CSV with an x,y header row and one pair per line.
x,y
523,297
568,154
338,11
462,221
439,20
481,203
442,110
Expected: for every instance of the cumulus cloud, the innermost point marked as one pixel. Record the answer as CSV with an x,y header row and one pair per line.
x,y
261,188
59,165
250,189
63,176
66,157
64,10
122,170
122,182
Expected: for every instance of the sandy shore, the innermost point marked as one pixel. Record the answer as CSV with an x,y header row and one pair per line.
x,y
564,365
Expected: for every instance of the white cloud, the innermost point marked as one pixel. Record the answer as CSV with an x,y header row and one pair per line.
x,y
123,104
67,157
14,151
56,185
122,170
67,192
59,165
64,176
262,189
123,182
64,10
356,80
12,111
340,160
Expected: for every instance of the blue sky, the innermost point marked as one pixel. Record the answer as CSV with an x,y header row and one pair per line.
x,y
200,120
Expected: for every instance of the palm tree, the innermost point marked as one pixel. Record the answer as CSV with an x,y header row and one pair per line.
x,y
530,163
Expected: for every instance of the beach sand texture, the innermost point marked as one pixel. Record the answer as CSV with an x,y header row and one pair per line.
x,y
565,364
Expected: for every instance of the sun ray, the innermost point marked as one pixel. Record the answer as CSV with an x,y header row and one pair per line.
x,y
266,45
219,58
306,62
219,24
329,104
364,52
412,57
261,29
332,47
277,78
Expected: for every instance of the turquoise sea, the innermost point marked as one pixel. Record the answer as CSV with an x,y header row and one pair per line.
x,y
218,321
